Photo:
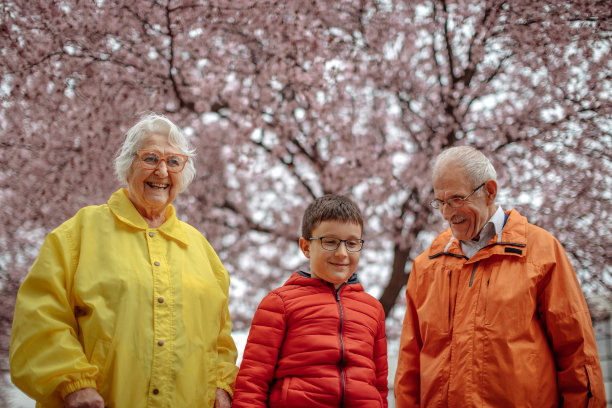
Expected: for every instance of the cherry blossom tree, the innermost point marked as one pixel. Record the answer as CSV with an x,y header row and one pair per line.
x,y
288,100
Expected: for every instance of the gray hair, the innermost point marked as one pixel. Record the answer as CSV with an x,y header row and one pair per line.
x,y
477,166
153,123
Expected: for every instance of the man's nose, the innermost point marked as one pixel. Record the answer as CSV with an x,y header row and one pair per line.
x,y
446,210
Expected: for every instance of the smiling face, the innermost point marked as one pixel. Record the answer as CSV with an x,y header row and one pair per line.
x,y
336,266
151,191
466,221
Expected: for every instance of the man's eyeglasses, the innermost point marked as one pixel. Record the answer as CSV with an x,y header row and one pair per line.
x,y
331,244
455,202
150,159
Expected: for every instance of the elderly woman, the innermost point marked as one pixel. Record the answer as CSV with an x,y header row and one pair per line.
x,y
126,306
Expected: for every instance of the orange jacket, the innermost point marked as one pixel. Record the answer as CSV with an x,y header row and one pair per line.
x,y
507,328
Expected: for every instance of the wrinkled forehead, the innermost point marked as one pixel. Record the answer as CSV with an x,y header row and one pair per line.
x,y
451,182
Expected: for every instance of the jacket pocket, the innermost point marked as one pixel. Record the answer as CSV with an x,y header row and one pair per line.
x,y
437,303
510,297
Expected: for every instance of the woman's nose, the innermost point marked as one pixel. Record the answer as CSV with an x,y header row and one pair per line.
x,y
162,169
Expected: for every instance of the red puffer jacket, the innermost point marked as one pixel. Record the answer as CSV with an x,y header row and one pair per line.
x,y
312,346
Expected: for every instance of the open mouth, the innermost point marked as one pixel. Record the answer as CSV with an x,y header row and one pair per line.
x,y
457,220
157,185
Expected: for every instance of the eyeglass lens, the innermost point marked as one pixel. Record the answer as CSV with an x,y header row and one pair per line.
x,y
331,244
455,202
152,159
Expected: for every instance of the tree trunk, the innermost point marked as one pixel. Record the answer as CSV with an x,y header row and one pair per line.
x,y
398,279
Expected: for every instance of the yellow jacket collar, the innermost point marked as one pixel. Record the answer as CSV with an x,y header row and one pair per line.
x,y
123,209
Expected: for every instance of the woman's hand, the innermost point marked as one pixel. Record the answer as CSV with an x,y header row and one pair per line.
x,y
85,398
222,399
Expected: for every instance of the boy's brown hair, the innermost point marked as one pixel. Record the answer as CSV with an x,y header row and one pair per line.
x,y
330,207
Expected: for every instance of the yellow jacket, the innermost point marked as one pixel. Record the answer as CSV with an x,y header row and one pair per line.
x,y
508,327
140,314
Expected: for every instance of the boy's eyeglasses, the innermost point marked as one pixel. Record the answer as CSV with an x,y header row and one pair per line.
x,y
150,160
331,244
455,202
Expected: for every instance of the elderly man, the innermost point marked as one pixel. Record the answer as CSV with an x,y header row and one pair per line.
x,y
495,315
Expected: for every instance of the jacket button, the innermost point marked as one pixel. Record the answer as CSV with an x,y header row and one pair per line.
x,y
151,234
155,391
160,342
156,263
160,300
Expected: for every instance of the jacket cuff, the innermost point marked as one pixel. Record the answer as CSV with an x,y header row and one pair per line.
x,y
77,385
227,388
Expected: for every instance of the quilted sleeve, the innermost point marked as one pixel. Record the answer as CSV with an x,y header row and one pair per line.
x,y
380,358
265,339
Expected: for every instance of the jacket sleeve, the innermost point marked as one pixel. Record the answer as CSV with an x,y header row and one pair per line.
x,y
570,332
407,384
46,358
380,359
226,348
263,345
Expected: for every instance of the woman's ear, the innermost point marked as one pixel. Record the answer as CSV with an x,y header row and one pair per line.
x,y
305,247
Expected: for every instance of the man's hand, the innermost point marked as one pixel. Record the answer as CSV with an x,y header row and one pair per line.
x,y
222,399
85,398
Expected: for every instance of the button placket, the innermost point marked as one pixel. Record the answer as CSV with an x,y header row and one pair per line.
x,y
161,366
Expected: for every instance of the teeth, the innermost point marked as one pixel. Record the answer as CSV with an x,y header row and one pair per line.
x,y
157,185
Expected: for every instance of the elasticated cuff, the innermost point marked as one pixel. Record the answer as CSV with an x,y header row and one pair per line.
x,y
227,388
77,385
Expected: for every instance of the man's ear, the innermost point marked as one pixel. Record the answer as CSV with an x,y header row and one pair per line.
x,y
305,246
490,189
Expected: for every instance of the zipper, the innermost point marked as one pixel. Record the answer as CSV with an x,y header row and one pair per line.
x,y
473,273
450,300
590,393
341,363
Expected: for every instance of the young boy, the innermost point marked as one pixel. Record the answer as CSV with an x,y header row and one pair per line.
x,y
319,340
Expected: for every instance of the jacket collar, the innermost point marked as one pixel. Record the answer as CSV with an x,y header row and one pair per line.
x,y
513,235
305,279
123,209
